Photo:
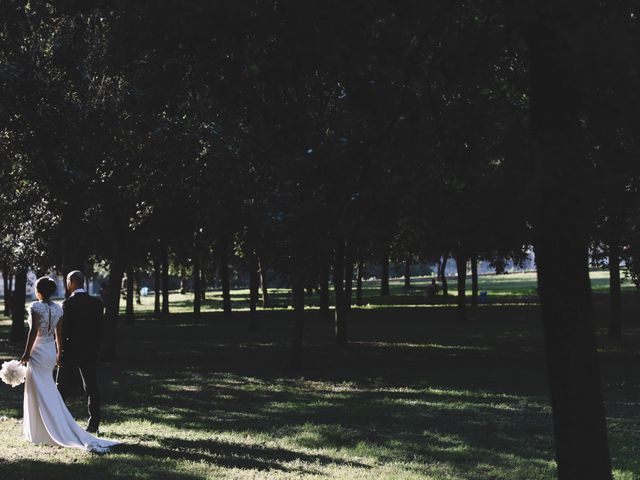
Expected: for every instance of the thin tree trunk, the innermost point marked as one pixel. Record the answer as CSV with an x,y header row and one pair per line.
x,y
359,297
443,276
461,266
474,280
203,283
72,246
407,273
212,270
263,283
254,290
197,293
6,284
156,286
136,277
224,276
18,306
384,276
615,325
184,287
112,311
338,287
324,292
12,283
298,323
562,216
348,281
165,280
128,313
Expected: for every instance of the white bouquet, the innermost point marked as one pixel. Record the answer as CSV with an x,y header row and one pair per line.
x,y
13,373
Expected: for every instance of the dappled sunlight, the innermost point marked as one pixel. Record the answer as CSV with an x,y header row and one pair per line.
x,y
203,400
343,417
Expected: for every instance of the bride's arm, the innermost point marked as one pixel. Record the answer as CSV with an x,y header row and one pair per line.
x,y
59,341
34,324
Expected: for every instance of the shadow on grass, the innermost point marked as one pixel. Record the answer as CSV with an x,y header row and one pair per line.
x,y
256,457
99,467
414,387
390,423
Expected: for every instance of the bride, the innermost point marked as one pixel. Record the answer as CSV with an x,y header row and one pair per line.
x,y
46,418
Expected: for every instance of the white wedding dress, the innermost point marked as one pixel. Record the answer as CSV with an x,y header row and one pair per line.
x,y
46,418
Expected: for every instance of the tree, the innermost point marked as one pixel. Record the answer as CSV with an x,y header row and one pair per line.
x,y
561,235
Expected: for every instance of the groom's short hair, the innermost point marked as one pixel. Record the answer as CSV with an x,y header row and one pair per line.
x,y
76,277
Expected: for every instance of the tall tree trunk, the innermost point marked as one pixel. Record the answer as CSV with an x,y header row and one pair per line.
x,y
570,344
263,283
71,243
197,287
6,284
407,273
18,306
224,276
298,322
615,325
562,216
461,266
156,285
112,311
474,280
136,277
254,290
212,271
384,276
443,276
338,287
348,281
128,312
359,297
184,287
165,280
203,283
324,292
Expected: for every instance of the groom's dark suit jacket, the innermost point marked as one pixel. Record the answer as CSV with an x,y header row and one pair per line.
x,y
81,328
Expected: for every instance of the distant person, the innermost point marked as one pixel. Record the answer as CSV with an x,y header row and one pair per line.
x,y
46,417
432,289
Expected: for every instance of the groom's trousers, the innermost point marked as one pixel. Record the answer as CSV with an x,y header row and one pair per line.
x,y
87,369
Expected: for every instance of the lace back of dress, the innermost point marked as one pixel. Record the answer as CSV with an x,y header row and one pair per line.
x,y
46,321
49,323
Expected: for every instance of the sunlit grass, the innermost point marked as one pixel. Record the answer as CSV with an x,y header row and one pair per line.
x,y
414,396
512,289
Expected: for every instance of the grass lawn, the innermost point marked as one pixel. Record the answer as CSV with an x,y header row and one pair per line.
x,y
512,288
415,395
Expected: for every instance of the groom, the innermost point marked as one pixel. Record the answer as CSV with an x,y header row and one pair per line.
x,y
81,333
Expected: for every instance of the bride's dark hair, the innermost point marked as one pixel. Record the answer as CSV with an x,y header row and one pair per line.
x,y
46,287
